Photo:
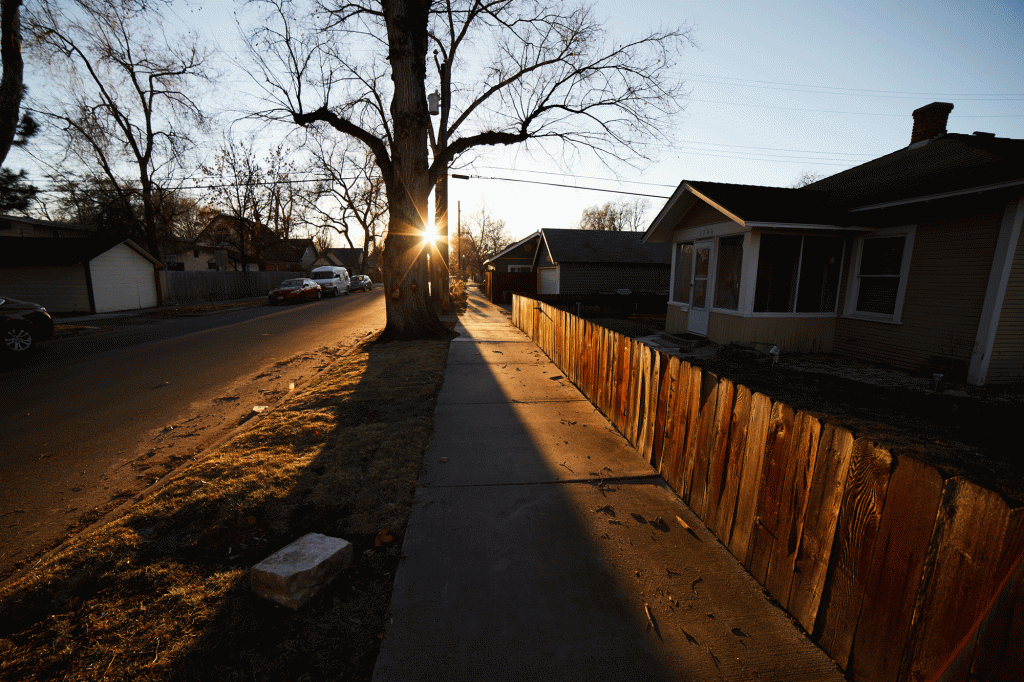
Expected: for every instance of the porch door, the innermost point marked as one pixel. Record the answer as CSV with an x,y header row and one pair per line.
x,y
697,322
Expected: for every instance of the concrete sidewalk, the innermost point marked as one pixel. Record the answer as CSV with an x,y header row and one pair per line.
x,y
542,547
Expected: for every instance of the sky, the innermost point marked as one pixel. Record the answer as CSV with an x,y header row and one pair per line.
x,y
776,88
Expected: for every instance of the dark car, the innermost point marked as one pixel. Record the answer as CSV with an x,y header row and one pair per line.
x,y
296,290
360,283
22,326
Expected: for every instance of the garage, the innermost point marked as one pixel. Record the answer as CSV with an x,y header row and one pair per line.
x,y
122,279
78,275
548,280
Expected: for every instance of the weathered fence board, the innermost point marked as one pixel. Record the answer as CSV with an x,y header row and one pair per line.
x,y
906,525
1000,654
732,467
675,410
666,389
959,580
773,470
750,477
636,388
853,546
648,400
793,505
718,454
827,483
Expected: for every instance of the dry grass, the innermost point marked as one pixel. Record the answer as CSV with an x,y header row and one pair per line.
x,y
163,593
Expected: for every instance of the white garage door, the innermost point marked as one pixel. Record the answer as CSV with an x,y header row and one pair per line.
x,y
548,280
122,279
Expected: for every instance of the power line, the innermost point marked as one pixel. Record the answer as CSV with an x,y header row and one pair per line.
x,y
856,92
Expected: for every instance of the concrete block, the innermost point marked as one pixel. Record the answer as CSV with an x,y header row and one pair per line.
x,y
291,576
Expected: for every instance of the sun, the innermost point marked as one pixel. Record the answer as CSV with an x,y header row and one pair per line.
x,y
430,234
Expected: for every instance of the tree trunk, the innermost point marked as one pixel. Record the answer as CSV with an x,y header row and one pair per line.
x,y
439,274
11,88
410,315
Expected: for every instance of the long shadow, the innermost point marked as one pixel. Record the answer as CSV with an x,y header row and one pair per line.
x,y
190,555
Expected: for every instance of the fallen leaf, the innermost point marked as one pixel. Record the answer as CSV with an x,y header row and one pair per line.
x,y
383,538
682,523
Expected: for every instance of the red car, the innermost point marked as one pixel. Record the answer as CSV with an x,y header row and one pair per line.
x,y
295,291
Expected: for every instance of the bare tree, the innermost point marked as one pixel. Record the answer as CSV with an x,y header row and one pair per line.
x,y
349,192
122,102
616,216
506,72
806,178
236,183
11,84
483,237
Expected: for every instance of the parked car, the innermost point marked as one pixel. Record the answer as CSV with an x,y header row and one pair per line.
x,y
22,326
332,280
361,282
296,290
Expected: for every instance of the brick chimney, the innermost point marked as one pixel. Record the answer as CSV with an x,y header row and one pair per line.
x,y
930,121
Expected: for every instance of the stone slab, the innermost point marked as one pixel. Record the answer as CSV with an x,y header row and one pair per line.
x,y
293,575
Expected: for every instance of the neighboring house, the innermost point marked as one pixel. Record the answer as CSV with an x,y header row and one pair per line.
x,y
579,262
17,226
292,255
350,259
516,258
912,260
226,244
79,275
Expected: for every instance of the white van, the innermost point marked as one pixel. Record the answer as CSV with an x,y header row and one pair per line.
x,y
331,279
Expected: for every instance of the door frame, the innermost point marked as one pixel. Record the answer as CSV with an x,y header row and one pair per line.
x,y
697,320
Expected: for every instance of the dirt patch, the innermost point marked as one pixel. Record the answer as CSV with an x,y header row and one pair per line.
x,y
162,592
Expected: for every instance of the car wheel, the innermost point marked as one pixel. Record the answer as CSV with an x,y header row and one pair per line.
x,y
319,294
18,339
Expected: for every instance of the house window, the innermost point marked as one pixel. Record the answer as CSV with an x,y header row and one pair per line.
x,y
797,274
520,268
684,270
882,262
730,261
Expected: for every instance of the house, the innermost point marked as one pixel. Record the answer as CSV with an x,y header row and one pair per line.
x,y
227,243
912,260
578,262
79,275
19,226
350,259
516,258
291,255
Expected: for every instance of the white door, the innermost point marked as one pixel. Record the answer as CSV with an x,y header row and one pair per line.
x,y
700,287
548,280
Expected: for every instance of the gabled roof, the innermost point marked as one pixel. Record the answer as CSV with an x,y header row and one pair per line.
x,y
346,258
34,251
501,254
950,163
601,246
946,165
287,250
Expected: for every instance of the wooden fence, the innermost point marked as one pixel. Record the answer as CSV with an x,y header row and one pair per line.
x,y
499,287
895,572
184,287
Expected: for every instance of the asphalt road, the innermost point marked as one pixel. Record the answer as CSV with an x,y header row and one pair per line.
x,y
88,418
